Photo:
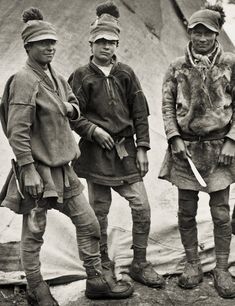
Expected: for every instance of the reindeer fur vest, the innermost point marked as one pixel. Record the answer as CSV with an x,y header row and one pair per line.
x,y
197,100
198,106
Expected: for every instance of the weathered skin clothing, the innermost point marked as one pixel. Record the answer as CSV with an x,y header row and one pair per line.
x,y
117,104
198,106
39,131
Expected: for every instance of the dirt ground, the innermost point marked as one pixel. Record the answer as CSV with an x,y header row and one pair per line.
x,y
172,295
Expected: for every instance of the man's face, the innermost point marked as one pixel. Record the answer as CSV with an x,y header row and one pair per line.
x,y
203,39
103,51
42,51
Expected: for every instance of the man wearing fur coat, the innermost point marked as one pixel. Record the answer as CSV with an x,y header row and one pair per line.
x,y
198,114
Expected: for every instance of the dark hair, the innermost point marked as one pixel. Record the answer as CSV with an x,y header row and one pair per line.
x,y
29,44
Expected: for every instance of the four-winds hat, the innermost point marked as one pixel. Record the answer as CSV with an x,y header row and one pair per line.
x,y
36,28
208,18
106,25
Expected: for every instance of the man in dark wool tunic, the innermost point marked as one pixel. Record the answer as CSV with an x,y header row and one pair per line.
x,y
198,114
114,109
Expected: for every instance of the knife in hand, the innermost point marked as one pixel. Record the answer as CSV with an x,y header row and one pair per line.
x,y
196,173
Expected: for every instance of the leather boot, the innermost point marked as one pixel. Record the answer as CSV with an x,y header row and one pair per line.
x,y
41,296
143,272
223,283
101,286
191,276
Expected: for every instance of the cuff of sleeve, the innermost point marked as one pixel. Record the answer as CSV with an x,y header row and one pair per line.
x,y
24,159
90,132
143,144
76,114
171,135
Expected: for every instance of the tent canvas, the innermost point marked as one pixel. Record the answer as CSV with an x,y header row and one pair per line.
x,y
153,34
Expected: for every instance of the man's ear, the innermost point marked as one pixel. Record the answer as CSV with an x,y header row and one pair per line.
x,y
189,32
27,47
91,46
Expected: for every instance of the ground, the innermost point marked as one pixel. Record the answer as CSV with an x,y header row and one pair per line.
x,y
172,295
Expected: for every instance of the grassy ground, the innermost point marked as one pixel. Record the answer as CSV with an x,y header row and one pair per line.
x,y
172,295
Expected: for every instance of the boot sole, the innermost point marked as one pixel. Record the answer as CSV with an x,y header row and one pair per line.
x,y
224,296
137,279
110,295
189,286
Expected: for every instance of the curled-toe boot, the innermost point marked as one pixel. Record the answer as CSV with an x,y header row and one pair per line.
x,y
101,286
191,276
143,272
223,283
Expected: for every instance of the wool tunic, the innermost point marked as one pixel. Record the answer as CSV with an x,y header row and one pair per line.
x,y
117,104
198,106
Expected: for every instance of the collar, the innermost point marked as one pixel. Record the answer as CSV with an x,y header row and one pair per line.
x,y
96,68
207,60
37,69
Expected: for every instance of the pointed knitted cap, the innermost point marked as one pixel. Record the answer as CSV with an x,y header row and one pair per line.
x,y
35,27
106,24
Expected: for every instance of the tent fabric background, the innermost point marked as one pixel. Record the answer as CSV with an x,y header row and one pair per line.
x,y
153,34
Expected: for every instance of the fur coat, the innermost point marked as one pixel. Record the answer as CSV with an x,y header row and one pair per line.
x,y
198,106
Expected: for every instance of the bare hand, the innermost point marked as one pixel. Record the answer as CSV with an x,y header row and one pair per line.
x,y
227,153
142,161
178,147
70,109
103,138
32,181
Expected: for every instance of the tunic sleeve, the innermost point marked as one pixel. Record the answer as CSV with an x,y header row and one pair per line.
x,y
21,116
231,133
83,127
139,111
169,95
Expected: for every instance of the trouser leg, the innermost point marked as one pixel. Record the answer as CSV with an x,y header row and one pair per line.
x,y
30,251
219,205
188,202
83,217
140,270
187,211
100,199
136,195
